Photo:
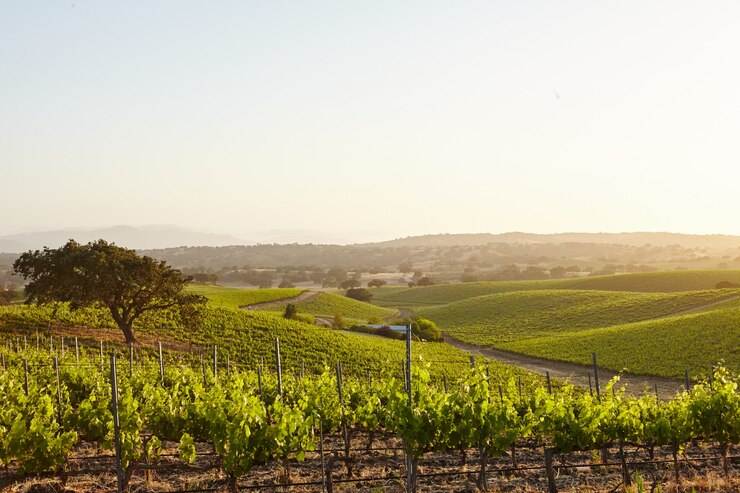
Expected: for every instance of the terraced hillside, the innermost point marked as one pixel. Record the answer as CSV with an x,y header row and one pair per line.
x,y
329,304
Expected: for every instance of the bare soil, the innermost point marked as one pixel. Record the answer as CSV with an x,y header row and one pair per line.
x,y
93,470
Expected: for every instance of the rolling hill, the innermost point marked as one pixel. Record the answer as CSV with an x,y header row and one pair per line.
x,y
650,282
508,317
329,304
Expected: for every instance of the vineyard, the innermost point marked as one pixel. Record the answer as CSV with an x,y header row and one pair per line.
x,y
660,282
238,298
649,282
629,331
248,336
329,304
665,347
142,412
515,316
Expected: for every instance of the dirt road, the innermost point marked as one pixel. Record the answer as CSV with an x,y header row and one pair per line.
x,y
574,373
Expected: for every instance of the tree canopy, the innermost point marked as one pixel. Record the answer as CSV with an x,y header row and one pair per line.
x,y
103,274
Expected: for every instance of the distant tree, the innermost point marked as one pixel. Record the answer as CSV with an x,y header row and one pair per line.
x,y
376,283
424,281
417,274
405,267
350,283
290,311
359,294
337,273
329,282
286,284
337,322
508,272
103,274
204,278
558,272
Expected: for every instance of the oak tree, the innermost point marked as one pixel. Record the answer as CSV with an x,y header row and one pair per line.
x,y
103,274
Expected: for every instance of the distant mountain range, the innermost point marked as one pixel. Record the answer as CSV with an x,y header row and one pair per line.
x,y
151,237
166,237
631,239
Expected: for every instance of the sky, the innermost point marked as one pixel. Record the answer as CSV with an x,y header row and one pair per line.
x,y
371,120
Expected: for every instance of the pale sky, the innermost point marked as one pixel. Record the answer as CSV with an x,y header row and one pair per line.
x,y
374,119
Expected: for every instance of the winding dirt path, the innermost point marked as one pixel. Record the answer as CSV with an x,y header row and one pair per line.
x,y
574,373
304,296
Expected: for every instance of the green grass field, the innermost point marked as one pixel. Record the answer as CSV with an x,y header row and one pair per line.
x,y
502,318
664,347
236,298
329,304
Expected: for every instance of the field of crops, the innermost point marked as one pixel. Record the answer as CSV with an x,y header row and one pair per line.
x,y
449,293
660,282
664,347
249,337
650,282
329,304
244,418
501,318
237,298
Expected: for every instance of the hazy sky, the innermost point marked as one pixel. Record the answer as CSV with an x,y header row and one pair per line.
x,y
372,119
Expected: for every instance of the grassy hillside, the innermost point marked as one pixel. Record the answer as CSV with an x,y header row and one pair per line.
x,y
663,347
660,282
650,282
247,337
236,298
448,293
329,304
501,318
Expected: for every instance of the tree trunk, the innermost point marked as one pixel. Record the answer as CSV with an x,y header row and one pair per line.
x,y
128,332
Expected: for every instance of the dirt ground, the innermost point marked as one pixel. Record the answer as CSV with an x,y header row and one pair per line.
x,y
93,470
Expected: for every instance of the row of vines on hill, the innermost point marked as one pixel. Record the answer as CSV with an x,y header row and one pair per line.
x,y
248,419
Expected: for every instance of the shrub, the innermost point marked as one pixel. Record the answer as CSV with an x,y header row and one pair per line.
x,y
359,294
290,311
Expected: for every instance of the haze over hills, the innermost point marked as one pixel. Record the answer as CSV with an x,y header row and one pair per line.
x,y
714,241
143,237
